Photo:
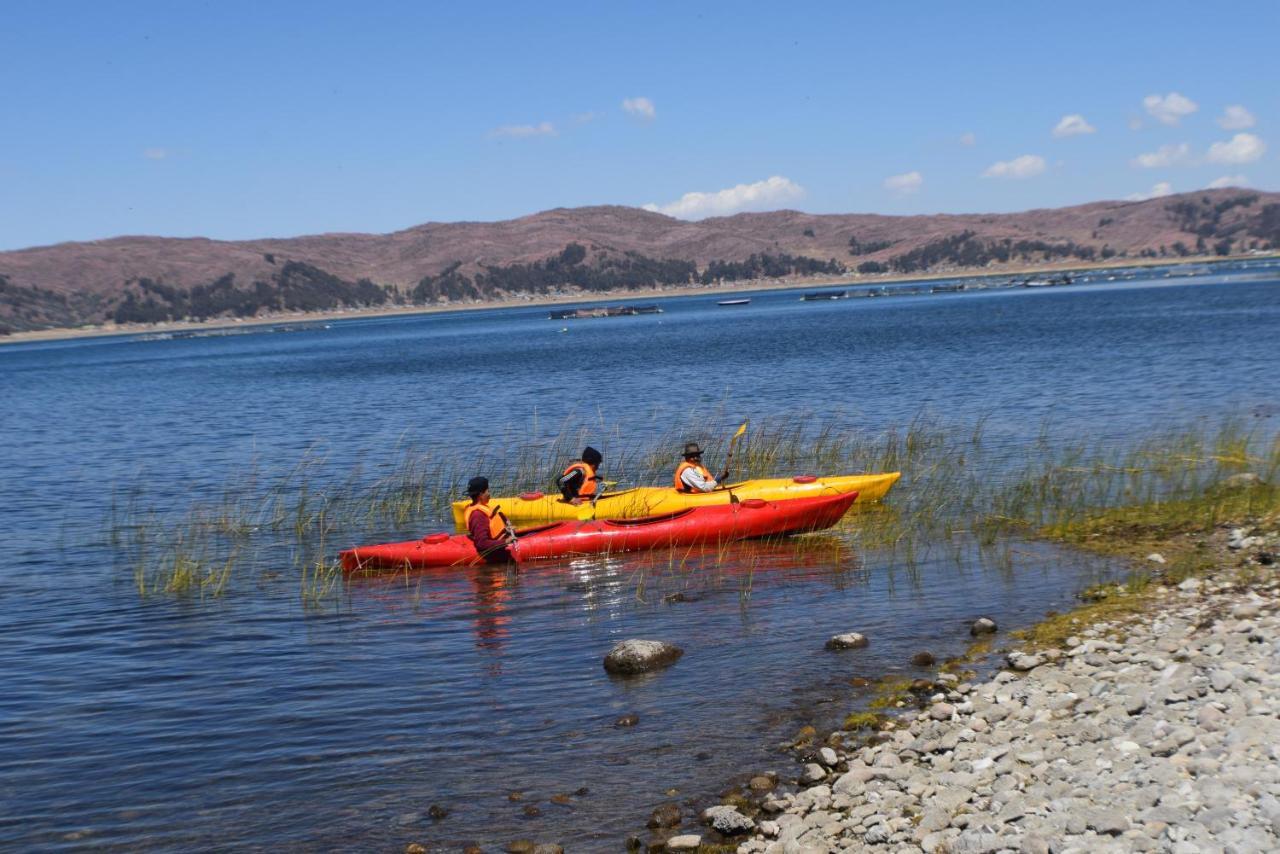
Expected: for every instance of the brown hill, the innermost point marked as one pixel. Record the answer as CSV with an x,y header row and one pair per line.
x,y
593,249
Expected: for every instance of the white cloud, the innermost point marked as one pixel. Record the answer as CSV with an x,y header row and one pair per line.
x,y
1164,156
1169,109
1227,181
1073,125
1236,117
584,118
761,195
641,107
968,139
522,131
1026,166
908,182
1243,148
1164,188
155,153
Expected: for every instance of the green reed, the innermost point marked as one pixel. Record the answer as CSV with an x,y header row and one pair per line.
x,y
957,487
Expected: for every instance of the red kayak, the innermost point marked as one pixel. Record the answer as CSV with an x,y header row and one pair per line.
x,y
721,523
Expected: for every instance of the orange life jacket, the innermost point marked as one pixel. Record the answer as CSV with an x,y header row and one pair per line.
x,y
497,522
680,470
589,479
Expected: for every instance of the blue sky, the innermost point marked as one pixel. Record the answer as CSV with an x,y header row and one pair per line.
x,y
237,120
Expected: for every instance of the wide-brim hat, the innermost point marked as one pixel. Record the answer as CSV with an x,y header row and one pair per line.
x,y
691,449
477,485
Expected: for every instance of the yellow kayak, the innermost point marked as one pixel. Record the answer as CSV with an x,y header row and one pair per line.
x,y
654,500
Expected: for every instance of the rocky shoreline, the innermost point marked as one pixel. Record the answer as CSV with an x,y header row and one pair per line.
x,y
1155,731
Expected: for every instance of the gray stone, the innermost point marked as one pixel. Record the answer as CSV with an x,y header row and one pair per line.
x,y
976,842
851,640
942,711
727,820
983,626
1108,822
1243,480
1023,661
686,842
640,656
1221,680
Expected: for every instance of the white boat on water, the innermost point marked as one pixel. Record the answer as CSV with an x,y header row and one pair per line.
x,y
742,301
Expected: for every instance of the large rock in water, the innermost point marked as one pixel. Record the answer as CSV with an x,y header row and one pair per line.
x,y
850,640
640,656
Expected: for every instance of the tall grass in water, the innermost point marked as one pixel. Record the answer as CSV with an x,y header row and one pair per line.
x,y
957,486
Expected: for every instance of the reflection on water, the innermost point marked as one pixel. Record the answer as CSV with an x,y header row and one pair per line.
x,y
255,719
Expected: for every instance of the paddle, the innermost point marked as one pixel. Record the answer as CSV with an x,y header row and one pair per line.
x,y
733,445
600,490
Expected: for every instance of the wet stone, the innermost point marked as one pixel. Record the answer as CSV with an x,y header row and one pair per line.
x,y
665,815
849,640
983,626
634,656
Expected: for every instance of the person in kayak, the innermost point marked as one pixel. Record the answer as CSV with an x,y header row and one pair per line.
x,y
579,482
692,476
487,526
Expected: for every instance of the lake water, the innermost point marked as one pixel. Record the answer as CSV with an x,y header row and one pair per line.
x,y
252,720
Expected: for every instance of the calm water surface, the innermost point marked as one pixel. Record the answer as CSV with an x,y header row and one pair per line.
x,y
251,721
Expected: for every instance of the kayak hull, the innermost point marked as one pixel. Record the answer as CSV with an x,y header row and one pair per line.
x,y
656,500
690,526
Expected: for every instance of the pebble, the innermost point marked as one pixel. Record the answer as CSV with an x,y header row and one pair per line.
x,y
1162,736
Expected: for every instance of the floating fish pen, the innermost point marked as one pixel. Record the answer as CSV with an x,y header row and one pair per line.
x,y
605,311
817,295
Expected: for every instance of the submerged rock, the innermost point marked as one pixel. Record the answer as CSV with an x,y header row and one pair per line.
x,y
640,656
983,626
850,640
924,658
665,815
627,720
1244,480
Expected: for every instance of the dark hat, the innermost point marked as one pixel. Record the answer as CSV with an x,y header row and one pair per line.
x,y
591,455
691,449
477,485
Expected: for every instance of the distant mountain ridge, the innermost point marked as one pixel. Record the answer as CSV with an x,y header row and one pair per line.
x,y
592,249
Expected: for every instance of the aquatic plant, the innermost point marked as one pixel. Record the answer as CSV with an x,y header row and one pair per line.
x,y
960,491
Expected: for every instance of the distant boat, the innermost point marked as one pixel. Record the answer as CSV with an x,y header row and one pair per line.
x,y
947,289
743,301
817,295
